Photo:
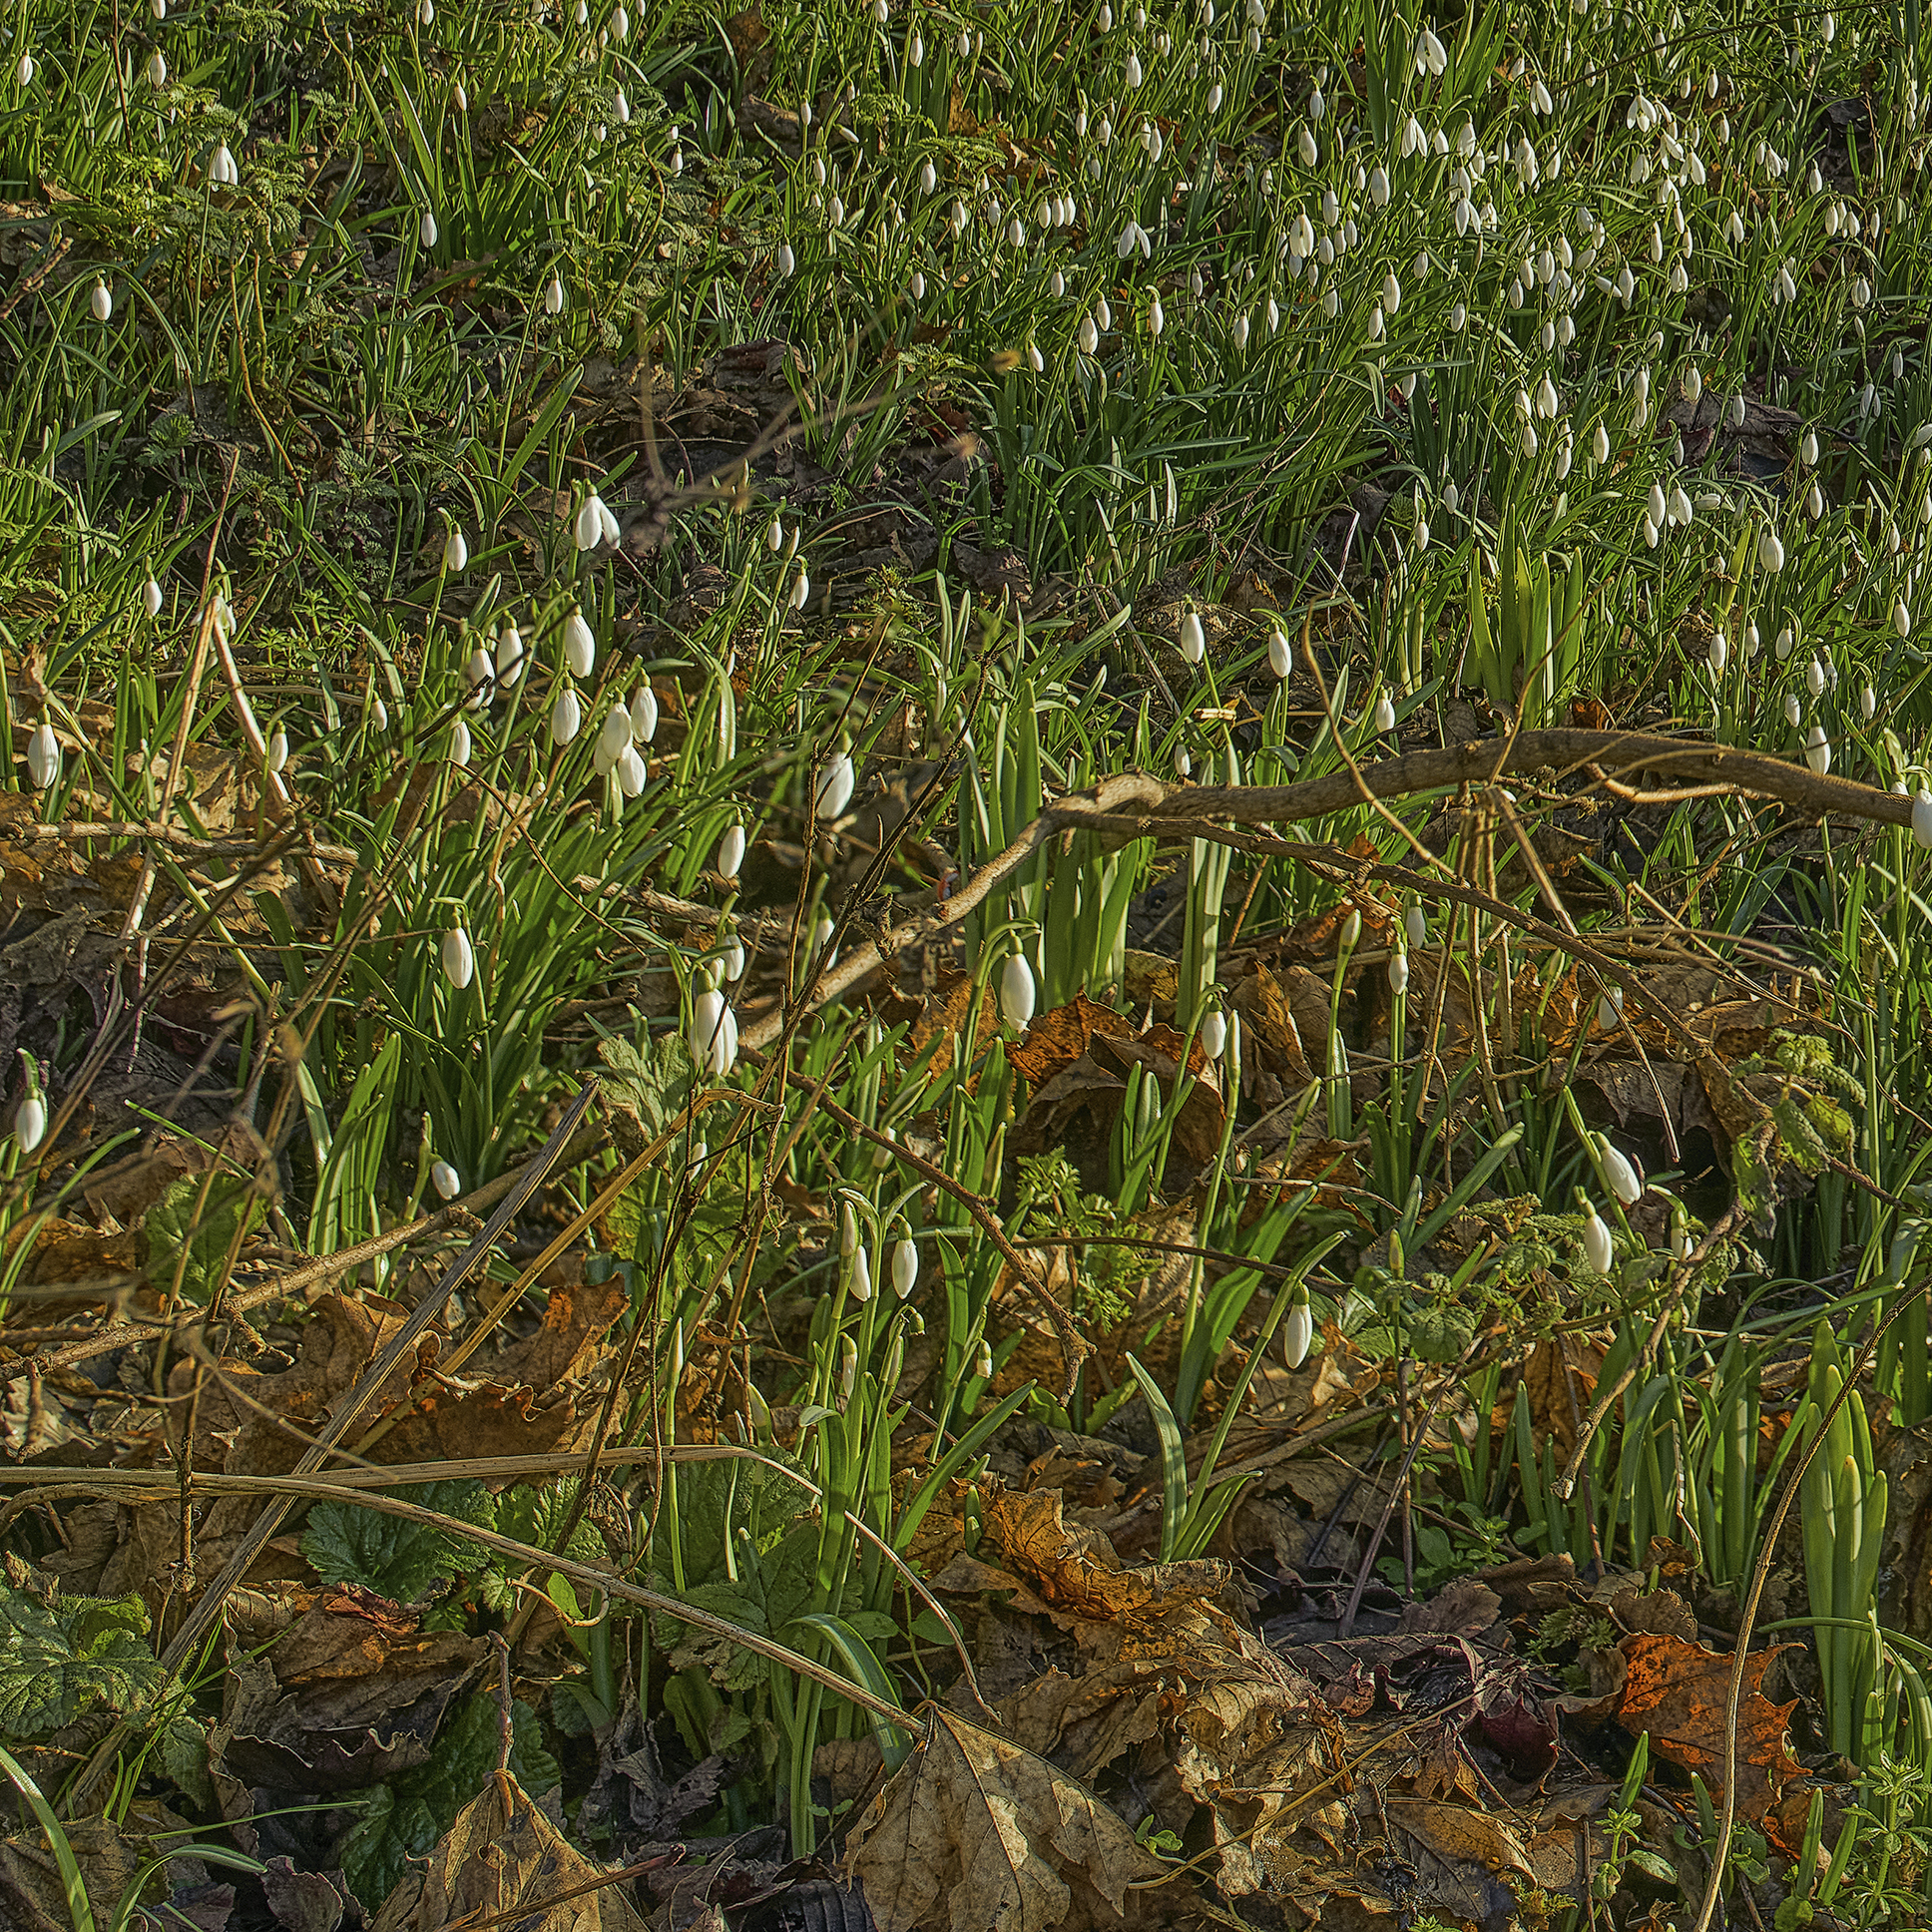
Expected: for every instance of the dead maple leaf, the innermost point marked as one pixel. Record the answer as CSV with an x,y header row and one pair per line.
x,y
974,1834
1676,1692
503,1858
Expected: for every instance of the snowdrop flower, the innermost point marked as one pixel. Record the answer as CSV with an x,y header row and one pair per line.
x,y
30,1121
1814,677
554,294
1087,336
859,1281
1922,820
644,714
1157,317
1770,552
905,1267
156,68
445,1180
800,588
221,171
1718,655
150,596
456,551
1132,73
1298,1329
459,959
983,1363
100,301
1793,710
1017,990
459,748
580,644
43,757
713,1038
509,655
1598,1248
833,792
1305,147
730,853
632,775
1213,1033
784,261
1193,638
1393,293
588,529
1399,972
1384,713
1279,659
1609,1009
613,735
566,717
1619,1174
426,229
1902,618
1415,925
1817,750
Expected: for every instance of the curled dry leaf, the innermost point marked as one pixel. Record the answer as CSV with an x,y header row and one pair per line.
x,y
501,1857
974,1834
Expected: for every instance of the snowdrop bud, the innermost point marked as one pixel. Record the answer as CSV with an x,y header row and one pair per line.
x,y
1599,1249
426,229
1280,659
1809,448
1133,70
1384,713
1398,973
1017,990
707,1037
509,655
456,551
905,1268
1793,710
1770,552
861,1282
1922,820
30,1123
1817,750
1415,926
613,737
983,1363
644,714
459,959
1867,704
587,530
1193,638
1351,930
1618,1176
730,852
1392,293
43,757
156,68
801,588
632,775
784,261
1718,655
1814,677
151,597
580,645
1213,1033
836,780
100,301
554,294
1157,317
459,748
566,717
1297,1329
378,714
445,1180
1087,336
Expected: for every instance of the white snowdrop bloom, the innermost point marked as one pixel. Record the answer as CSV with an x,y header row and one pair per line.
x,y
156,68
1902,618
1392,293
151,599
1922,818
1298,1329
1817,750
1087,336
1718,653
580,644
221,171
456,551
1600,1251
43,755
566,717
643,715
1680,507
784,261
30,1123
1213,1033
445,1180
1770,551
1618,1176
1867,704
460,747
1378,186
1814,677
554,294
1017,990
102,302
836,782
1132,73
1546,398
1649,532
1793,710
1609,1009
1193,638
509,655
1415,925
1280,659
426,229
458,958
1384,719
632,775
1305,147
730,852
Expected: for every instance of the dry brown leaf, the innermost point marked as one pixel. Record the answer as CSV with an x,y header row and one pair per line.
x,y
1057,1038
1676,1692
974,1834
1462,1858
502,1855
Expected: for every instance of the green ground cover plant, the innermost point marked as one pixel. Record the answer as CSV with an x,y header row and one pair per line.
x,y
962,963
